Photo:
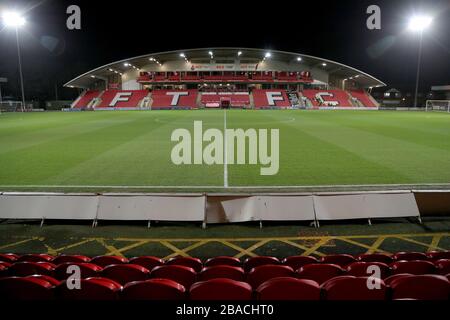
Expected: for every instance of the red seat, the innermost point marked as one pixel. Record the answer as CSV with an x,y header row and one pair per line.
x,y
52,280
88,270
124,273
408,256
28,288
413,267
375,257
443,266
190,262
90,289
104,261
223,260
421,287
154,289
261,274
389,279
183,275
253,262
35,257
296,262
360,268
23,269
3,270
8,257
148,262
341,260
436,255
288,288
222,271
70,258
319,272
353,288
220,289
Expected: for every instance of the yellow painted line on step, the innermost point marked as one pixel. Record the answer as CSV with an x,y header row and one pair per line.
x,y
242,251
174,249
18,243
362,245
112,251
294,244
434,242
186,250
75,244
429,246
253,247
314,248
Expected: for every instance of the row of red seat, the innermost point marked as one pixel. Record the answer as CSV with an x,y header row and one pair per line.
x,y
282,77
235,99
187,99
420,287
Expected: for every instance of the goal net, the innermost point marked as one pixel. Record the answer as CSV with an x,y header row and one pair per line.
x,y
11,106
437,105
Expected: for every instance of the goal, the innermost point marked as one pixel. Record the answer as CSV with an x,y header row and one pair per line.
x,y
437,105
10,106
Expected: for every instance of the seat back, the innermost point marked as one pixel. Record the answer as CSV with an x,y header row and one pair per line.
x,y
354,288
8,257
409,256
253,262
443,266
261,274
104,261
87,270
35,257
375,257
413,267
220,289
223,260
153,289
288,288
183,275
319,272
148,262
124,273
437,255
364,269
23,269
421,287
70,258
190,262
90,289
28,288
296,262
341,260
222,271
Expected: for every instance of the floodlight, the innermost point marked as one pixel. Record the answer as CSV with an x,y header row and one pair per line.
x,y
299,58
419,23
13,19
239,53
267,55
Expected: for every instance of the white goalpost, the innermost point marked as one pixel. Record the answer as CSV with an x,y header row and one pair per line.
x,y
437,105
11,106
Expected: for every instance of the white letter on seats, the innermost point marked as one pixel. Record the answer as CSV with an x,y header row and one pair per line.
x,y
73,281
121,96
274,96
176,96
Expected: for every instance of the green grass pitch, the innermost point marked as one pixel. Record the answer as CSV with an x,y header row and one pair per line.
x,y
132,148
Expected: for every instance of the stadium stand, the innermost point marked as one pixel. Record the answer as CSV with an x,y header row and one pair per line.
x,y
364,98
174,99
264,278
122,99
215,99
327,98
270,99
85,99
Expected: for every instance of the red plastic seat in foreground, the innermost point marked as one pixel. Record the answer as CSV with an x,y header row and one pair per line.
x,y
87,270
354,288
223,260
183,275
261,274
409,256
28,288
253,262
389,279
23,269
90,289
64,258
375,257
288,288
413,267
124,273
319,272
296,262
148,262
104,261
443,266
341,260
3,270
190,262
438,255
153,289
361,268
222,271
421,287
220,289
8,257
35,257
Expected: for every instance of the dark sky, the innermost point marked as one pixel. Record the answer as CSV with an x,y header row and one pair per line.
x,y
113,30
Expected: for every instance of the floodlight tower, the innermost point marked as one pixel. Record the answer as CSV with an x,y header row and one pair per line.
x,y
419,24
15,20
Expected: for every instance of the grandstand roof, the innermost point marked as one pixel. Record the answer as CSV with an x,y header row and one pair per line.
x,y
249,55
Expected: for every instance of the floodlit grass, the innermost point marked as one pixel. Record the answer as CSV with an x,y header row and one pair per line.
x,y
133,148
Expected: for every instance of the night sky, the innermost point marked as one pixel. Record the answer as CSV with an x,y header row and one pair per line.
x,y
52,55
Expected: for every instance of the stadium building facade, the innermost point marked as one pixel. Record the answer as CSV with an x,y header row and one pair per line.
x,y
225,78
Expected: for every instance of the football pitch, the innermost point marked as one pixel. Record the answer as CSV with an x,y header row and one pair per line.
x,y
131,150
